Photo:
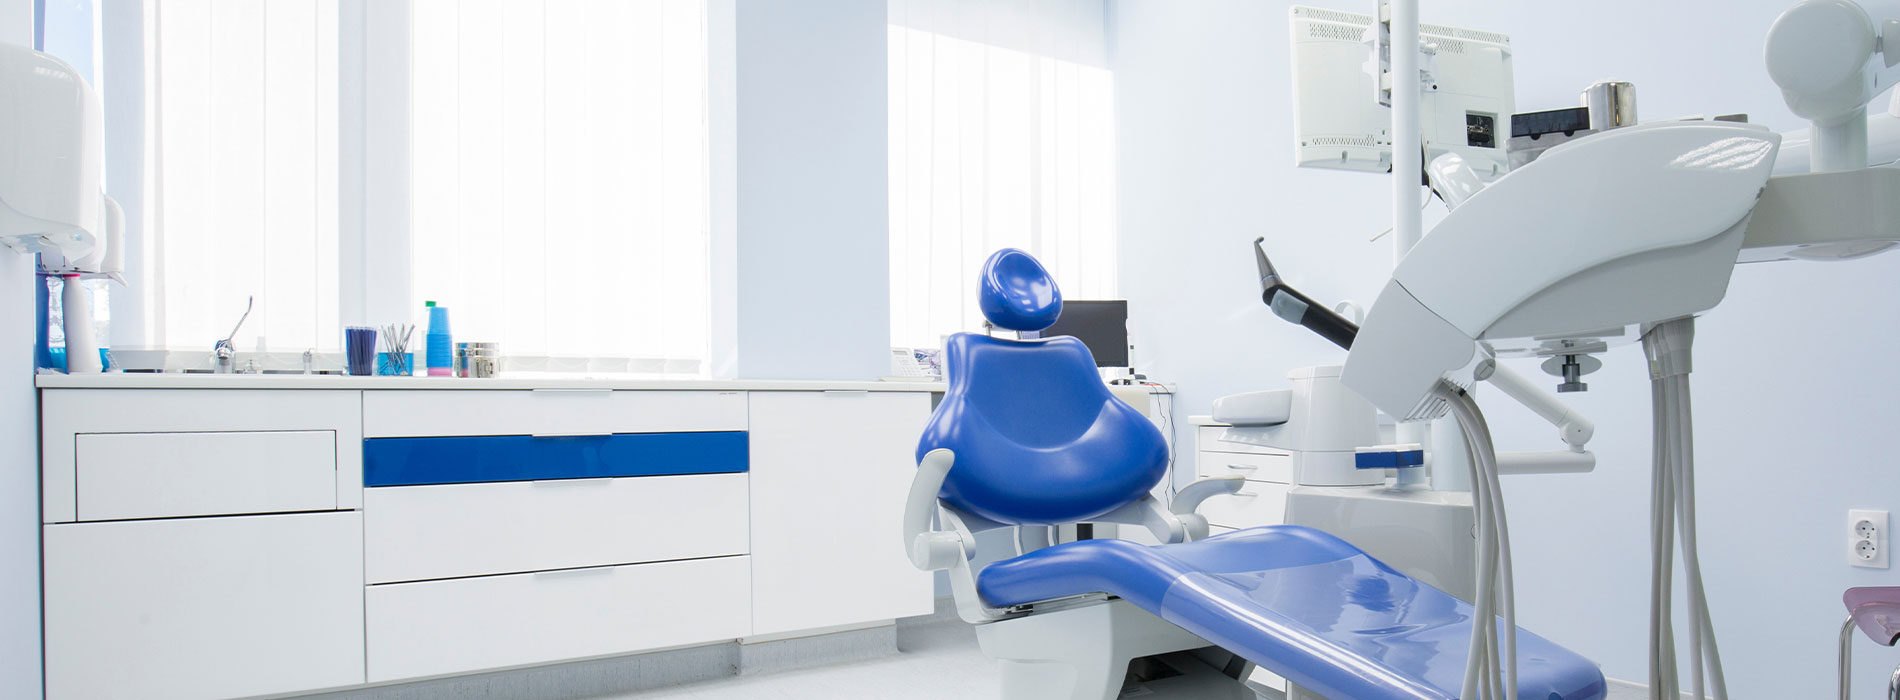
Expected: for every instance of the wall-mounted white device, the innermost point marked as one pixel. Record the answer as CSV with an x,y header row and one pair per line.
x,y
51,156
1338,121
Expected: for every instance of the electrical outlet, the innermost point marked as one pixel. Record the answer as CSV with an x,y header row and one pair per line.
x,y
1867,538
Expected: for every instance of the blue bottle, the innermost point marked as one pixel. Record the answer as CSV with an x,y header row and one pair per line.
x,y
441,350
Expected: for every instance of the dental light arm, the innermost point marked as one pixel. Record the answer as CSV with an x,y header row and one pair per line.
x,y
1288,303
1830,58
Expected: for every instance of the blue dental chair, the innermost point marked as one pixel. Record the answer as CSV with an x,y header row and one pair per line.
x,y
1028,439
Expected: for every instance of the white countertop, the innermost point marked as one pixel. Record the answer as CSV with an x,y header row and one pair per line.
x,y
299,381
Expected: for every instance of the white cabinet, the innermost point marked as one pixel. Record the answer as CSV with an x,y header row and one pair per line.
x,y
438,627
450,530
829,474
203,607
1268,473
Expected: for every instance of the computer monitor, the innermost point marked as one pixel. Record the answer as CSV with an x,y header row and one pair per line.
x,y
1100,325
1339,123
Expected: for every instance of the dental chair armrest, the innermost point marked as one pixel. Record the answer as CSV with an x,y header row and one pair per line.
x,y
931,550
1189,500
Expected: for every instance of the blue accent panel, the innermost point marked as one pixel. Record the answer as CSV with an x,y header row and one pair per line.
x,y
1037,435
1300,603
462,460
1388,460
1016,293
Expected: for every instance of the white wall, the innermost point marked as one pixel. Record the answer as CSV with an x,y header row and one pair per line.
x,y
1793,376
19,447
813,226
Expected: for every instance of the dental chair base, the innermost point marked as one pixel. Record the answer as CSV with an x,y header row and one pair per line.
x,y
1085,652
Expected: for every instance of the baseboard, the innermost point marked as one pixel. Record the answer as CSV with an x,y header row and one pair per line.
x,y
566,681
820,650
620,675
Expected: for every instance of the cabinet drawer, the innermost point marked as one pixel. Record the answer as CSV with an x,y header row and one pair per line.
x,y
441,627
195,608
1277,468
1208,439
1257,503
414,533
162,475
432,413
67,415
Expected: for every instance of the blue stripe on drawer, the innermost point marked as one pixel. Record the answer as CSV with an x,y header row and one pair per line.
x,y
462,460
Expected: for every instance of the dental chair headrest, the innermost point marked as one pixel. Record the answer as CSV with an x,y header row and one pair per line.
x,y
1016,293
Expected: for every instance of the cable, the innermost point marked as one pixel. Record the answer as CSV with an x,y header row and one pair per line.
x,y
1672,512
1496,591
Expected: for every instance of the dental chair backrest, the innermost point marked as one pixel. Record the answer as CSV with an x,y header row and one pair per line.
x,y
1038,438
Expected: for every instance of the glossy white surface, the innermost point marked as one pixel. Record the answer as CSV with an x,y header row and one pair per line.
x,y
594,411
413,533
829,475
439,627
204,607
114,380
122,476
69,414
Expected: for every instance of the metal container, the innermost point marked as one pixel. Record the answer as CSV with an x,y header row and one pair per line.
x,y
477,360
1612,105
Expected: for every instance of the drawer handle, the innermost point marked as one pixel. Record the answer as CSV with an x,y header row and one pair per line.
x,y
1244,467
597,481
568,573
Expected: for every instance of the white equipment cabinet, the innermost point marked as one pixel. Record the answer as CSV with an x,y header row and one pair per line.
x,y
212,537
1269,475
201,544
829,476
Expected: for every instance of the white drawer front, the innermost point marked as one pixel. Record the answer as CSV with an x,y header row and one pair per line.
x,y
197,608
441,627
1277,468
67,414
1207,439
1257,503
432,413
414,533
162,475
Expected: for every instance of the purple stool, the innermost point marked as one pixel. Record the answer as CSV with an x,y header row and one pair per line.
x,y
1876,611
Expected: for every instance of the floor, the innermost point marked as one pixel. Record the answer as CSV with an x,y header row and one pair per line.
x,y
938,660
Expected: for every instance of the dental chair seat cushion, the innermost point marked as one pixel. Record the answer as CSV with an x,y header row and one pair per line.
x,y
1039,440
1300,603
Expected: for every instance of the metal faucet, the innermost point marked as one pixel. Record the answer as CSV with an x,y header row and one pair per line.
x,y
225,350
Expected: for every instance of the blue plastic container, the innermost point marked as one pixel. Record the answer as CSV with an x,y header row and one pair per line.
x,y
441,347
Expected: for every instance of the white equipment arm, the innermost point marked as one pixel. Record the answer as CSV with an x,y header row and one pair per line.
x,y
1830,58
931,550
1574,429
1191,497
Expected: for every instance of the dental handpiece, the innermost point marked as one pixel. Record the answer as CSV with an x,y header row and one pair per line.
x,y
1288,303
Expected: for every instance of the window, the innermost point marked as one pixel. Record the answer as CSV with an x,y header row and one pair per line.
x,y
559,184
241,139
1001,135
557,192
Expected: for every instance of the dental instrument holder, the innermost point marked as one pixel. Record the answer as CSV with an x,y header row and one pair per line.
x,y
1288,303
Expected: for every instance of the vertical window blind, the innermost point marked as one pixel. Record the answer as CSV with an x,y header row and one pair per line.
x,y
241,139
559,179
1001,135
